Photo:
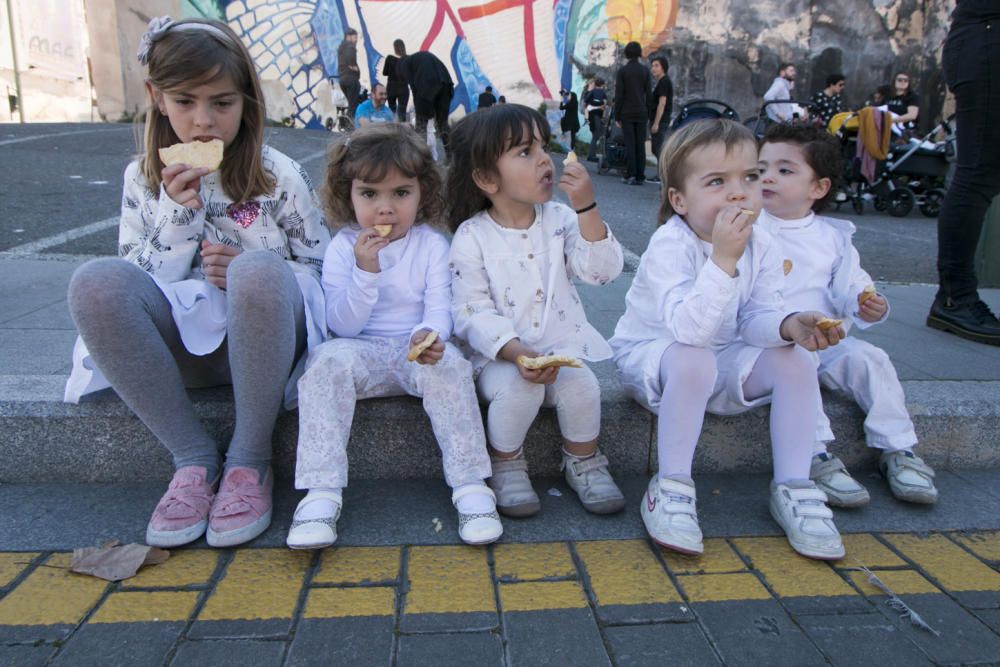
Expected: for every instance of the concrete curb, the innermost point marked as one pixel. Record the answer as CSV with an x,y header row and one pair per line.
x,y
43,439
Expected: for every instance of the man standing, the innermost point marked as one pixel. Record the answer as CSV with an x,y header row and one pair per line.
x,y
631,89
781,89
374,109
432,89
347,70
971,54
594,102
486,98
826,103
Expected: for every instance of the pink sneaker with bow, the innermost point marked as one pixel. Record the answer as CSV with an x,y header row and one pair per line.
x,y
242,509
181,516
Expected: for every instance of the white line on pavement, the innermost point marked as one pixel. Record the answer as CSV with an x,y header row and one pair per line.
x,y
312,156
33,137
63,237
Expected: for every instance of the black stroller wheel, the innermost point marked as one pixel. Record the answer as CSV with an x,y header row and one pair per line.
x,y
931,205
858,204
900,202
879,204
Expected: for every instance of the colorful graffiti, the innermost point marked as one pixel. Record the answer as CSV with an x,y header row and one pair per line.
x,y
526,49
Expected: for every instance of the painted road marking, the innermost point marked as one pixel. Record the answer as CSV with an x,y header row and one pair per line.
x,y
147,607
258,584
448,579
789,574
345,602
537,595
35,137
13,564
865,549
51,595
900,582
531,562
723,587
35,247
985,544
718,557
626,572
358,565
189,567
947,562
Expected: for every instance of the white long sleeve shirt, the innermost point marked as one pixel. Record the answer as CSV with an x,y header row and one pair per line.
x,y
680,295
412,290
516,283
824,268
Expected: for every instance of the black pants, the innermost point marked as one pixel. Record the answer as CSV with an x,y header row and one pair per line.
x,y
352,91
971,57
596,121
635,148
436,108
398,98
657,139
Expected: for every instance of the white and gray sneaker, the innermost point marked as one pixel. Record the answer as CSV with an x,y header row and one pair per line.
x,y
800,509
510,483
593,484
910,479
670,514
832,478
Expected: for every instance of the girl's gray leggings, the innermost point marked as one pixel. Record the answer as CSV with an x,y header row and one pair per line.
x,y
126,323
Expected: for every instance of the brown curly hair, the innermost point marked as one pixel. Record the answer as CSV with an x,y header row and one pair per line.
x,y
821,150
368,154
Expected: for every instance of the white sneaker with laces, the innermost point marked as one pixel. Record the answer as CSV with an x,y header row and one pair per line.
x,y
312,530
670,515
832,478
910,479
800,509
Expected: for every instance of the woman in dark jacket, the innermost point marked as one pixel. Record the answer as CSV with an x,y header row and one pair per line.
x,y
660,104
396,87
631,112
571,116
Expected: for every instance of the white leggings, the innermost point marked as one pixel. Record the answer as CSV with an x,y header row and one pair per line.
x,y
688,377
514,404
343,370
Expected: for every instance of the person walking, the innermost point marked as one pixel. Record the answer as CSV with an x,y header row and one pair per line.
x,y
348,72
397,92
432,90
595,101
971,54
631,84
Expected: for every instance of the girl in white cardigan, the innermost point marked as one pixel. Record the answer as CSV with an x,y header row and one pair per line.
x,y
513,258
705,328
388,289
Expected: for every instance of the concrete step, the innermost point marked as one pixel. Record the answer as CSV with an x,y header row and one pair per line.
x,y
43,439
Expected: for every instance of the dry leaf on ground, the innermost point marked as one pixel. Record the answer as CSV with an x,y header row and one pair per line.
x,y
113,562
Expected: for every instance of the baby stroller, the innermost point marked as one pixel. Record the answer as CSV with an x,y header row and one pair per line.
x,y
612,146
759,123
702,109
913,173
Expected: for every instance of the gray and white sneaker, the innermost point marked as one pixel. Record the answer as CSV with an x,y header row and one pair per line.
x,y
510,483
832,478
800,509
670,514
593,484
910,479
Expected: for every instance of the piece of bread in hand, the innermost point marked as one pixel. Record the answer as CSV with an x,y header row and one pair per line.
x,y
536,363
419,348
866,294
382,230
570,157
826,324
197,154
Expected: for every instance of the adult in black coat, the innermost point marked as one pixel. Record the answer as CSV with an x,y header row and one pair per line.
x,y
395,84
432,90
348,72
570,121
631,111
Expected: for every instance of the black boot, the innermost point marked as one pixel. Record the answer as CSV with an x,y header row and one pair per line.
x,y
972,320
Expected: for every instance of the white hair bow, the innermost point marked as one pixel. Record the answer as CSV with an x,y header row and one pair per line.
x,y
157,28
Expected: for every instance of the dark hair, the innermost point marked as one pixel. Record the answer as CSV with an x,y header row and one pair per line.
x,y
598,81
377,84
502,99
399,48
633,50
489,89
886,92
184,59
834,79
783,66
477,142
349,32
676,153
822,152
369,153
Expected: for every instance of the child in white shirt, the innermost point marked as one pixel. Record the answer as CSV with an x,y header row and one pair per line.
x,y
800,166
513,258
705,328
387,286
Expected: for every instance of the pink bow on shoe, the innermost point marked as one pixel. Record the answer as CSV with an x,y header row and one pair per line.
x,y
242,509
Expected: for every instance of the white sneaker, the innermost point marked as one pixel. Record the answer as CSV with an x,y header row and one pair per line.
x,y
832,478
477,527
910,479
670,515
315,532
510,483
800,509
593,484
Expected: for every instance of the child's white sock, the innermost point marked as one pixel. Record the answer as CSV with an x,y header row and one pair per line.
x,y
317,507
478,502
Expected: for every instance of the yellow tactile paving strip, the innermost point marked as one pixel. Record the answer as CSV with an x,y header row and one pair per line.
x,y
261,584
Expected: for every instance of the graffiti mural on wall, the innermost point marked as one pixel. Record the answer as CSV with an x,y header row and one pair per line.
x,y
526,49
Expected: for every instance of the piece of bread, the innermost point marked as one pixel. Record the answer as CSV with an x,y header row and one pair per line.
x,y
826,324
866,294
419,348
382,230
786,266
535,363
570,157
197,154
750,213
